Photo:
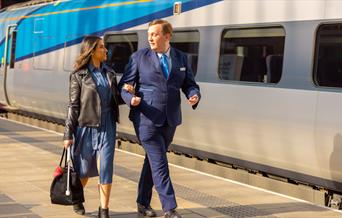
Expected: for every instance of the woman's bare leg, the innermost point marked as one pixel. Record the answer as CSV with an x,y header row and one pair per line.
x,y
105,195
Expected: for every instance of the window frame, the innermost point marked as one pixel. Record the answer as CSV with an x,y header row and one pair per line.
x,y
226,29
314,75
107,35
195,30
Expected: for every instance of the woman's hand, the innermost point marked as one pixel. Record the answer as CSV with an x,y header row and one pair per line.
x,y
67,143
129,88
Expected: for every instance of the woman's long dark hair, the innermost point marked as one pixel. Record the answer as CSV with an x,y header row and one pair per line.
x,y
88,46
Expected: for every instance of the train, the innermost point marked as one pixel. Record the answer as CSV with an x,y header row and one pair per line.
x,y
270,74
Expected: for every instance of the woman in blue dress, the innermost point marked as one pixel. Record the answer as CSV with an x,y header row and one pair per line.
x,y
93,111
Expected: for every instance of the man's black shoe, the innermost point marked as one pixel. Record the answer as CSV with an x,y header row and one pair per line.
x,y
146,211
172,214
79,209
103,213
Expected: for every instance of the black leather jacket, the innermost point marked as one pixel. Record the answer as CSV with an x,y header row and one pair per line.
x,y
84,101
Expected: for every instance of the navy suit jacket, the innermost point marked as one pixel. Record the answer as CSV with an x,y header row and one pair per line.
x,y
160,97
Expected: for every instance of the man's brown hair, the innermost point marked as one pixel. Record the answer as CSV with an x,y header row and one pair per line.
x,y
166,26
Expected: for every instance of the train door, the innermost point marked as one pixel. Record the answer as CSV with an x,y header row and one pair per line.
x,y
7,61
328,78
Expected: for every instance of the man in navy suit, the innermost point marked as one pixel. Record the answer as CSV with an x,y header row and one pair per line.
x,y
157,75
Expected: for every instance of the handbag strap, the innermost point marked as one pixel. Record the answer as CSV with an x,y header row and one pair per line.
x,y
65,158
60,162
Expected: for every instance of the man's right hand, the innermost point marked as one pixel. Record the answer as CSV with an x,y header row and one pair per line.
x,y
135,101
67,143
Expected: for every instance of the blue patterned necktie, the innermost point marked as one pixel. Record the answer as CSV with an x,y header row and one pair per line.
x,y
164,65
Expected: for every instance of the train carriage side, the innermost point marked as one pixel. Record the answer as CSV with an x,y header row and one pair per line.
x,y
277,125
242,119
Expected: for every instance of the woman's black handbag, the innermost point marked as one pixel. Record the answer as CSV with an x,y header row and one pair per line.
x,y
66,190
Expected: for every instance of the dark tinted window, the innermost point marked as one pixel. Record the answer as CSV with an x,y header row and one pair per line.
x,y
188,42
252,54
120,47
328,56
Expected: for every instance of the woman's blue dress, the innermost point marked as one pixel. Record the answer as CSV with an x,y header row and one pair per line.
x,y
93,144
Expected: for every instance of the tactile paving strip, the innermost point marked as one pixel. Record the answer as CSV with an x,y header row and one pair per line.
x,y
220,205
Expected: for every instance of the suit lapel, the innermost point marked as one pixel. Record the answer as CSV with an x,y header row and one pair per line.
x,y
155,62
174,62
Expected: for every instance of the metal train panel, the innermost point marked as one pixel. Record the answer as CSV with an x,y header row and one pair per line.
x,y
269,126
328,134
232,12
39,87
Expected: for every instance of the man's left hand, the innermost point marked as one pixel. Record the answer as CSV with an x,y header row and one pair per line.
x,y
193,100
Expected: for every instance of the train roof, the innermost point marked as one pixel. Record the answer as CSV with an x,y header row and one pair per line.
x,y
28,4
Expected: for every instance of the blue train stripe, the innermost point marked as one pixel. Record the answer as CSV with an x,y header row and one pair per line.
x,y
165,11
59,27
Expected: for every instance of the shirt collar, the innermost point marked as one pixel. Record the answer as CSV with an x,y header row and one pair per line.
x,y
167,53
92,68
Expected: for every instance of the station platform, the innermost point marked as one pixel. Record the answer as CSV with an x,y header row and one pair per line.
x,y
29,155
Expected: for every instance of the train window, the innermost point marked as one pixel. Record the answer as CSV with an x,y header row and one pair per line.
x,y
44,60
188,42
120,47
328,56
252,54
13,47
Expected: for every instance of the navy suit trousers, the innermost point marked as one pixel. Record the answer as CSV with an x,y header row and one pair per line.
x,y
155,171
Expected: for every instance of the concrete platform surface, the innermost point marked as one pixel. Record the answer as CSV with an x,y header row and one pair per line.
x,y
29,155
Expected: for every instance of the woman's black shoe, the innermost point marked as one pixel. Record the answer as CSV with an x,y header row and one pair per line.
x,y
103,213
79,209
